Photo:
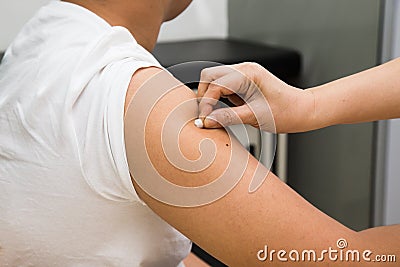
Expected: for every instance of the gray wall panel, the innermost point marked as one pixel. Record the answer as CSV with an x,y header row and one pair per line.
x,y
331,167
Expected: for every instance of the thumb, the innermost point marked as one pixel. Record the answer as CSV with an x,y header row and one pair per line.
x,y
228,116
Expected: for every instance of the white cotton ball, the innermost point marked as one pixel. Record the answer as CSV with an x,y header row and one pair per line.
x,y
199,123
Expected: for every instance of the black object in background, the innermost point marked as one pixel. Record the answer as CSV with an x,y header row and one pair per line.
x,y
282,62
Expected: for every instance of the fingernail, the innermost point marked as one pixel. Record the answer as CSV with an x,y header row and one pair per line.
x,y
210,122
204,110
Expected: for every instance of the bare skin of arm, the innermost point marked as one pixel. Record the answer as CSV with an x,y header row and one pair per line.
x,y
193,261
373,94
238,225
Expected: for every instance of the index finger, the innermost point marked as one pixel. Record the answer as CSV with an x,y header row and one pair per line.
x,y
226,85
209,75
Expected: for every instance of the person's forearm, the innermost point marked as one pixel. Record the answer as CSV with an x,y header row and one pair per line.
x,y
370,95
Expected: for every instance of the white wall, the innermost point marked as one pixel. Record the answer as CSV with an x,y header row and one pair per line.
x,y
392,187
203,19
396,30
392,197
14,14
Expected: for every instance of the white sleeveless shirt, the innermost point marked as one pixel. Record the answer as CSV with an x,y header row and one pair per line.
x,y
66,197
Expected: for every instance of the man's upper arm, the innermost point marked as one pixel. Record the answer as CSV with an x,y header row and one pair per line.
x,y
234,227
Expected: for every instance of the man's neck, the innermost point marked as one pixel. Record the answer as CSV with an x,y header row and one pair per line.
x,y
142,18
